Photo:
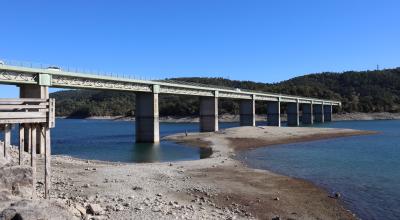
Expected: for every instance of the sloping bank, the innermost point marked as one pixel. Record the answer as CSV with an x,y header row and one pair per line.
x,y
261,193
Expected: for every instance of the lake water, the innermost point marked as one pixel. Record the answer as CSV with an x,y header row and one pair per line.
x,y
364,169
115,141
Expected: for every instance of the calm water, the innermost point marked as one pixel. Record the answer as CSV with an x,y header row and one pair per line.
x,y
364,169
115,141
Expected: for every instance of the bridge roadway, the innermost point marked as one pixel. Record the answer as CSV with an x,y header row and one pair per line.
x,y
34,83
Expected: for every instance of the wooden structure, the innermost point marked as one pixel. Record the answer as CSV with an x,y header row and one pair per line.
x,y
31,114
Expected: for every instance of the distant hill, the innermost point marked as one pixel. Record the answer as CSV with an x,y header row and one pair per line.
x,y
365,91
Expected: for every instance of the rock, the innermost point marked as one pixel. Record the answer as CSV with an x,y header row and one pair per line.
x,y
337,195
137,188
159,195
95,209
276,199
139,208
81,209
276,218
86,185
119,207
131,197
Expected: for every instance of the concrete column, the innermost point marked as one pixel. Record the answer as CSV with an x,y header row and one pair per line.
x,y
41,92
318,113
293,114
327,112
307,116
247,112
274,113
146,115
208,114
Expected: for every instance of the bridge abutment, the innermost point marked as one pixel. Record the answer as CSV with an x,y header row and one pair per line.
x,y
274,113
328,113
247,112
147,118
38,137
293,114
318,113
208,114
307,114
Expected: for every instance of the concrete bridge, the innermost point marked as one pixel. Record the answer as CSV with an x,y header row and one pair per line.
x,y
34,83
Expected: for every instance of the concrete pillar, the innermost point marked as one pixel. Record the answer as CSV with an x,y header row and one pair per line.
x,y
208,114
293,114
274,113
318,113
41,92
307,116
247,112
328,113
147,118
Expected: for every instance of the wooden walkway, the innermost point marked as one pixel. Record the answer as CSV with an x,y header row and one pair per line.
x,y
31,115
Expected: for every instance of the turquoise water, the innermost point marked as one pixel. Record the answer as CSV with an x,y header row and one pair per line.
x,y
115,141
364,169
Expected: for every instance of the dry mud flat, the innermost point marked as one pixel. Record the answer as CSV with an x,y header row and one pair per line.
x,y
218,187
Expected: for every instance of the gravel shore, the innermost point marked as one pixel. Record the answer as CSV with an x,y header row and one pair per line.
x,y
218,187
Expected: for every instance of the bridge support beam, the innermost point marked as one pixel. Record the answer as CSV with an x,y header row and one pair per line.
x,y
293,114
327,113
307,114
247,112
40,92
318,113
147,118
208,114
274,113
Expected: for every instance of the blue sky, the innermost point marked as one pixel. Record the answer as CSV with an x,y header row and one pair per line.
x,y
266,41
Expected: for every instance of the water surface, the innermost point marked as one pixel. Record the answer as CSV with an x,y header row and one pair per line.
x,y
364,169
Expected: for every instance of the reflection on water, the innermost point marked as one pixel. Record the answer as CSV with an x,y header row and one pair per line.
x,y
115,141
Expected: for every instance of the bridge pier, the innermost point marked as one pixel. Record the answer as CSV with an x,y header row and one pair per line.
x,y
274,113
247,112
208,114
293,114
328,113
318,113
307,114
147,118
41,92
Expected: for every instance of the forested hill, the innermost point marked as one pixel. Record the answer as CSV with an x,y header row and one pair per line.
x,y
367,91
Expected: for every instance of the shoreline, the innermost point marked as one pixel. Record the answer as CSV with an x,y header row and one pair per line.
x,y
218,187
357,116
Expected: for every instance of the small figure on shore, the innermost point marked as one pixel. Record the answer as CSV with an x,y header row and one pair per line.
x,y
186,134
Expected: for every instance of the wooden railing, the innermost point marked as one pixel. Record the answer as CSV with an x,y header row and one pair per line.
x,y
26,110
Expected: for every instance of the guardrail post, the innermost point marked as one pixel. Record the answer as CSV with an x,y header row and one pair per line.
x,y
21,144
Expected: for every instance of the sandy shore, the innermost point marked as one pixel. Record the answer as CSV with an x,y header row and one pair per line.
x,y
218,187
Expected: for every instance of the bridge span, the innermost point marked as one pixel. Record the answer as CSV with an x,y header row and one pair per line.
x,y
34,83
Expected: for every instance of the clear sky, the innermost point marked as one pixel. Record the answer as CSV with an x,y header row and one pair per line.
x,y
266,41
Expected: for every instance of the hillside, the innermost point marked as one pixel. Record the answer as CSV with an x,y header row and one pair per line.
x,y
366,91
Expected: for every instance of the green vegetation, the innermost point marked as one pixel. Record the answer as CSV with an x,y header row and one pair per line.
x,y
367,91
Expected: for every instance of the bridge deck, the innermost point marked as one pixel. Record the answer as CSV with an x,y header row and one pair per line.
x,y
63,79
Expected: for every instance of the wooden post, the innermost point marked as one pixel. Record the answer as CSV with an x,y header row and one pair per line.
x,y
7,139
21,143
33,158
28,137
47,152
